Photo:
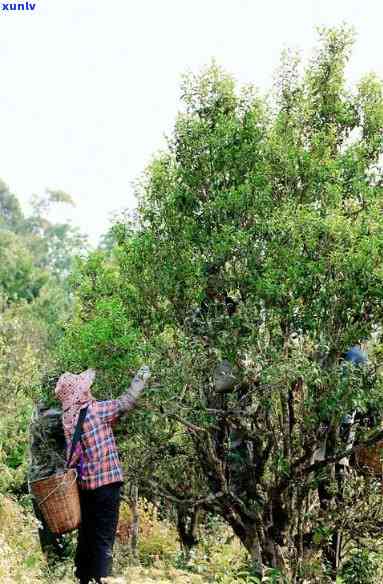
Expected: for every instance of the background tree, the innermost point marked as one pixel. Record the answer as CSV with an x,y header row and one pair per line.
x,y
35,258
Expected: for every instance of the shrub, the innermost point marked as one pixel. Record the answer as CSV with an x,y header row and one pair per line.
x,y
360,568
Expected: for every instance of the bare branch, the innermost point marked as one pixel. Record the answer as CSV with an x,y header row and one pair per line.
x,y
193,502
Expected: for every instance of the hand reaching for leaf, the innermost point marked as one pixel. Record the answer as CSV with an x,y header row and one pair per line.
x,y
137,386
143,374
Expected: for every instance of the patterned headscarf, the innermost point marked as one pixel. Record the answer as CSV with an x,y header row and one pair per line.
x,y
74,393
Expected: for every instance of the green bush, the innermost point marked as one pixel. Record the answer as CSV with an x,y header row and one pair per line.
x,y
361,568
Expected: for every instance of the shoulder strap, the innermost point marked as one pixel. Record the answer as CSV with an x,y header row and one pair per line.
x,y
77,433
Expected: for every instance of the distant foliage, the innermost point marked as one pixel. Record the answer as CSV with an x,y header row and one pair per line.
x,y
35,259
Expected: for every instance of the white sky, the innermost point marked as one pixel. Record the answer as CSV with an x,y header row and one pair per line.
x,y
89,87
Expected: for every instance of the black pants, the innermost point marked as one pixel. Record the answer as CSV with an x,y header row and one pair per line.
x,y
99,510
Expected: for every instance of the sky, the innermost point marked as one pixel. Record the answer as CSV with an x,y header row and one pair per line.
x,y
89,88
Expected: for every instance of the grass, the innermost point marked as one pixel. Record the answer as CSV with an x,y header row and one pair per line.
x,y
218,559
21,560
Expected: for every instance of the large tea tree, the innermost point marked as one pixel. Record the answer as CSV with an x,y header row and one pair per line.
x,y
255,261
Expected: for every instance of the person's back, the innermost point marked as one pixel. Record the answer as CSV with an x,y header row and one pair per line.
x,y
97,457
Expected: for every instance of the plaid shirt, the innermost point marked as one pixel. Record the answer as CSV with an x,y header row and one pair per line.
x,y
96,456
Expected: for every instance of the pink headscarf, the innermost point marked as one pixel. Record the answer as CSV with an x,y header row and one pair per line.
x,y
74,393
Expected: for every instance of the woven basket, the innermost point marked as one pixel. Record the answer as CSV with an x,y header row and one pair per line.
x,y
371,457
58,499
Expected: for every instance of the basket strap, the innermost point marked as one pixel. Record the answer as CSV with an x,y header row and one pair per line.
x,y
77,433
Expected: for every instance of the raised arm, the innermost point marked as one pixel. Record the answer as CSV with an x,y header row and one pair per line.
x,y
111,410
128,400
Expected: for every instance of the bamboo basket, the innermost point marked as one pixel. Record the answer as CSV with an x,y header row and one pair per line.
x,y
371,457
58,499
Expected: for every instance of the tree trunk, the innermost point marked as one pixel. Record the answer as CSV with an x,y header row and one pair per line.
x,y
249,537
135,523
187,526
253,546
